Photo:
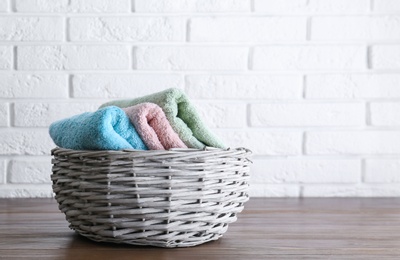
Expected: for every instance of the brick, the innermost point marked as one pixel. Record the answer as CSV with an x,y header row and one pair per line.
x,y
5,57
73,6
360,190
247,29
148,29
32,170
191,58
386,6
33,86
355,28
3,6
192,6
385,114
31,28
24,141
353,142
307,114
273,190
263,142
309,57
122,85
353,86
244,86
26,191
385,57
63,57
305,170
4,114
222,115
43,113
382,171
311,6
3,170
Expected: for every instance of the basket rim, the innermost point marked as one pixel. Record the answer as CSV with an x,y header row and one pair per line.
x,y
206,149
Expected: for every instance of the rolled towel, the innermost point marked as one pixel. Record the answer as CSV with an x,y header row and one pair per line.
x,y
108,128
153,127
181,114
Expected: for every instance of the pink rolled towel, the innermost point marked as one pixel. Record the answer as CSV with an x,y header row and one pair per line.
x,y
153,127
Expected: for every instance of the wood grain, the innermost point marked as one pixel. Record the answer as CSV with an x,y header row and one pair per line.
x,y
350,228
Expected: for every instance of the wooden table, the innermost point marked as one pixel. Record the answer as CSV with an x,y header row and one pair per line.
x,y
351,228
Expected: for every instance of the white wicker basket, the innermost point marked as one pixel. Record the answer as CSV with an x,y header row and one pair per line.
x,y
175,198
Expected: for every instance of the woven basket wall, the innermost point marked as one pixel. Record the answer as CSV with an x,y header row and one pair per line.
x,y
175,198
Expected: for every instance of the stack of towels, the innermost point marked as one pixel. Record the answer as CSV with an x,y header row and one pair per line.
x,y
159,121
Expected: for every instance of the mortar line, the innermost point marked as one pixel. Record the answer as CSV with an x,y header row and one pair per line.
x,y
368,119
133,59
308,29
363,170
66,37
133,6
12,115
12,6
187,30
70,86
304,87
369,57
7,171
250,59
14,58
304,143
371,6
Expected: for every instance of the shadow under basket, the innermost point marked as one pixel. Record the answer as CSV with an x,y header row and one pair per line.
x,y
174,198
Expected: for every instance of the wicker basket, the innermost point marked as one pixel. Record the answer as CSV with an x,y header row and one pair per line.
x,y
175,198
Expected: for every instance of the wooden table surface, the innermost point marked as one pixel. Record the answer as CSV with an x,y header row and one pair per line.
x,y
351,228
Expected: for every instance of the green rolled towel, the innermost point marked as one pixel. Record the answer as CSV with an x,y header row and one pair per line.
x,y
181,114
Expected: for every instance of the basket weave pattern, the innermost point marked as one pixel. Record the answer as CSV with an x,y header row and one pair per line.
x,y
175,198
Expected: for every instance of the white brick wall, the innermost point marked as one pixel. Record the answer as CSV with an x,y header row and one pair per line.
x,y
307,170
312,87
310,114
247,29
382,170
3,5
353,142
122,85
263,142
385,114
191,6
4,111
191,58
385,57
352,86
258,86
73,57
386,6
72,6
309,57
5,57
356,28
223,115
43,113
13,85
29,170
301,7
32,29
120,29
3,171
21,141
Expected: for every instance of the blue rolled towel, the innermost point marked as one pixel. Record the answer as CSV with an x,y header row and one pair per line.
x,y
108,128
